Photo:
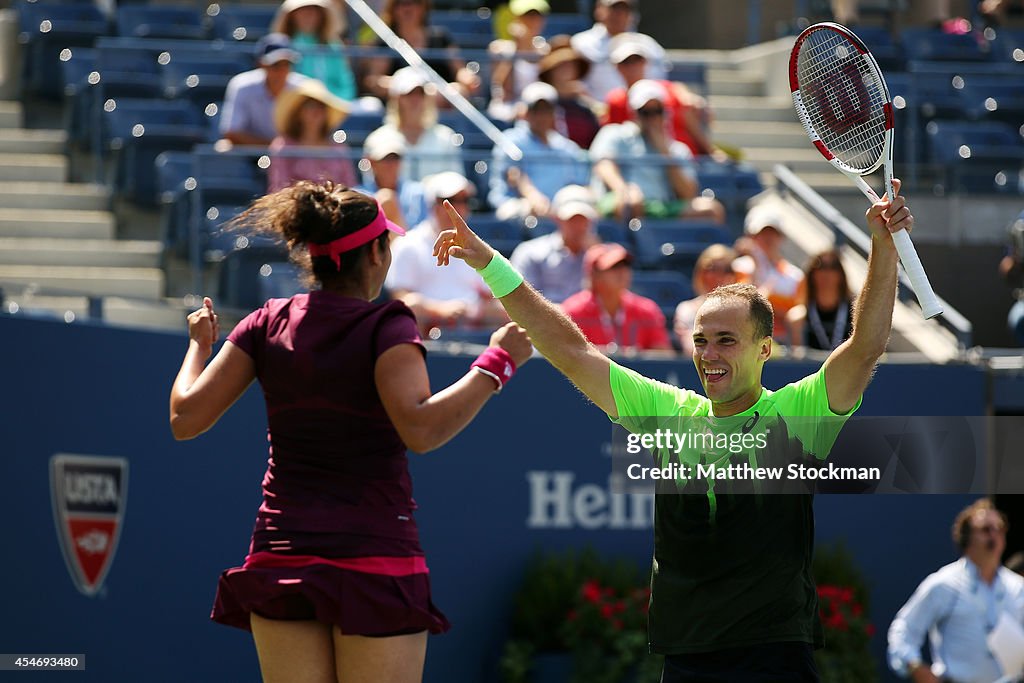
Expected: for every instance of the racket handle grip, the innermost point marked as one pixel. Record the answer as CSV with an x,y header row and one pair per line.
x,y
930,305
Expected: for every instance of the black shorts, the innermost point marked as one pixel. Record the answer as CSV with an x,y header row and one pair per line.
x,y
770,663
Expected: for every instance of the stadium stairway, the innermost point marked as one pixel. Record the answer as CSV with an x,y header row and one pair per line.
x,y
59,250
748,92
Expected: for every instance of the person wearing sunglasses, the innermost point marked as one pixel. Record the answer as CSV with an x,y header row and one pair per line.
x,y
826,320
958,606
712,270
645,170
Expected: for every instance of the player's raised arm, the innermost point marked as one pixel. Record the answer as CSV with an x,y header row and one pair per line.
x,y
848,370
551,331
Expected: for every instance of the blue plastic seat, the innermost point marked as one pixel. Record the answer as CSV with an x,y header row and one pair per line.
x,y
200,78
666,287
674,244
693,74
981,157
937,45
139,130
159,21
240,273
566,24
243,23
45,30
502,235
280,280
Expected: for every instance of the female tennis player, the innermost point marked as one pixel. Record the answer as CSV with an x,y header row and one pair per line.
x,y
335,586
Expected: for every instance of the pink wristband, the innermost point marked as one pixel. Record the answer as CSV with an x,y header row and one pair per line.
x,y
497,364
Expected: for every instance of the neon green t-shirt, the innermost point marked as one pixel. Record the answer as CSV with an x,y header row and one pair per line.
x,y
731,570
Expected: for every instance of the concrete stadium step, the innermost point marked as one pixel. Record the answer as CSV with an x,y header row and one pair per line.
x,y
33,251
46,167
730,108
806,159
22,141
10,115
56,223
32,195
761,134
117,311
92,281
731,82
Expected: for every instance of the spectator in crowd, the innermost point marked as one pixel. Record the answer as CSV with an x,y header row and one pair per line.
x,y
713,269
410,20
1012,269
404,201
306,117
959,605
550,160
446,297
316,28
613,18
685,111
577,112
826,320
761,264
515,60
607,312
247,117
412,113
553,263
645,171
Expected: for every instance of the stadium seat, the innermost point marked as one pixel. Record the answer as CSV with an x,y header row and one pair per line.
x,y
693,74
45,29
937,45
242,23
76,65
674,244
358,126
502,235
201,78
159,21
463,22
478,171
886,51
995,97
666,287
240,273
139,130
981,157
280,280
566,24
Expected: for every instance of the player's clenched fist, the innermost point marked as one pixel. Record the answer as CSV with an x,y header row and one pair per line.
x,y
515,341
202,325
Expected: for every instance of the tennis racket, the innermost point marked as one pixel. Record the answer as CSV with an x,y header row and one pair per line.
x,y
841,99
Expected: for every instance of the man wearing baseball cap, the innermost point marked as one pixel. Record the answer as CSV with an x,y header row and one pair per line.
x,y
646,172
550,160
610,315
247,117
763,265
612,19
686,112
404,201
554,261
440,299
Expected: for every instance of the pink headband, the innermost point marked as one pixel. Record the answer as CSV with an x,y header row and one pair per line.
x,y
337,247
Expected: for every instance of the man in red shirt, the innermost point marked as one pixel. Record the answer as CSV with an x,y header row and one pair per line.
x,y
608,313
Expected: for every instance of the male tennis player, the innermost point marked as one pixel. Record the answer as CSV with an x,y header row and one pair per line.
x,y
733,598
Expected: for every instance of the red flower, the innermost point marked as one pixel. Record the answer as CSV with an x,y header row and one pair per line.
x,y
592,591
870,630
606,611
617,624
619,606
857,610
571,616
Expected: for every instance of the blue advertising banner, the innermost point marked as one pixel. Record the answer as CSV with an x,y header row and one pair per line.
x,y
116,534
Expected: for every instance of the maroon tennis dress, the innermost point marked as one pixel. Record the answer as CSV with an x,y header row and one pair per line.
x,y
335,539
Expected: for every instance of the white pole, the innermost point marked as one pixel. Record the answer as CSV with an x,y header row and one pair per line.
x,y
451,94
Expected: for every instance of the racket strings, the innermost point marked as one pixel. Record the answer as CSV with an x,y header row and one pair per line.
x,y
844,99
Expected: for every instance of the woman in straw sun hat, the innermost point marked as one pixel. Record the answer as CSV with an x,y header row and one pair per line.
x,y
316,28
306,117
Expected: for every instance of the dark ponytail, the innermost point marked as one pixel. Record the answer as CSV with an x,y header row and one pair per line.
x,y
314,213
